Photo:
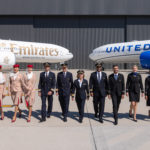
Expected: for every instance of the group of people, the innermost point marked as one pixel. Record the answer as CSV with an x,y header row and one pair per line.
x,y
99,87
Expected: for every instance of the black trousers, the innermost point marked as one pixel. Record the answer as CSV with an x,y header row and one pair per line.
x,y
80,104
116,103
99,105
50,105
64,103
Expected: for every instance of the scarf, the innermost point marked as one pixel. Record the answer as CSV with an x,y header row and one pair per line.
x,y
2,79
14,75
29,75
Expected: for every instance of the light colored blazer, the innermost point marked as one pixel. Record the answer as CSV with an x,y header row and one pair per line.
x,y
29,84
17,84
3,86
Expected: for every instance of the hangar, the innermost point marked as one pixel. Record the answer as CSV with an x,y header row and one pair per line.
x,y
79,25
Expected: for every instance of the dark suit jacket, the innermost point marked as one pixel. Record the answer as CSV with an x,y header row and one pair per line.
x,y
116,86
81,91
97,88
64,85
47,84
134,83
147,86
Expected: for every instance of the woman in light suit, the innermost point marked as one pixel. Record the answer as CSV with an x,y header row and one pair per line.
x,y
2,90
29,80
15,90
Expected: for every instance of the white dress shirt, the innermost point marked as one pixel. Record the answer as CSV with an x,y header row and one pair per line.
x,y
64,73
46,74
100,75
80,82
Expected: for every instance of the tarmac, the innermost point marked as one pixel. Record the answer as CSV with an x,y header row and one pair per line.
x,y
54,134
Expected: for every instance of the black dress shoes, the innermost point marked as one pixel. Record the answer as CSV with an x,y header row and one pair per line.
x,y
48,116
43,119
80,120
96,116
116,122
65,119
101,121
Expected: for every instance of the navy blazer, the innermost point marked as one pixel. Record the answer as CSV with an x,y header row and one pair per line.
x,y
81,91
64,85
98,88
47,84
147,86
134,83
116,86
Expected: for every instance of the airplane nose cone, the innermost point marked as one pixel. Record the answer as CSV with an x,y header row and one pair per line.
x,y
70,55
91,56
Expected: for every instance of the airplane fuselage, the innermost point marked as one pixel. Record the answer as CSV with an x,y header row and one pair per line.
x,y
35,52
120,52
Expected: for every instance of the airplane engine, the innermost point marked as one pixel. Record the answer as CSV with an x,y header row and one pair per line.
x,y
145,60
7,60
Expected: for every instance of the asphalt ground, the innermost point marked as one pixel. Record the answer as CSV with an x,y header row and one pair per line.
x,y
54,134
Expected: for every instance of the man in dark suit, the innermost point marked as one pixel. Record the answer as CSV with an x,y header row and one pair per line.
x,y
64,89
116,90
98,90
46,87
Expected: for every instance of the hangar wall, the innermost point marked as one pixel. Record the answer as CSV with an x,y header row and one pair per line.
x,y
80,34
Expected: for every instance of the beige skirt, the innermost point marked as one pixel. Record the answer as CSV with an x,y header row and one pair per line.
x,y
29,99
16,97
1,99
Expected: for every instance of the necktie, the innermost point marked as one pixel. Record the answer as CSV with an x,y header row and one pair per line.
x,y
64,74
46,74
99,77
116,76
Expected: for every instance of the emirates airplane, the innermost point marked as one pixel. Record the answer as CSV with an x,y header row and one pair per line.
x,y
18,51
135,52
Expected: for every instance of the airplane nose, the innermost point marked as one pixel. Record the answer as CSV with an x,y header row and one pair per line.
x,y
70,55
91,56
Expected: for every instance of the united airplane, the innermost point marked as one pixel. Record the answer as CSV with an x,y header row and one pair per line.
x,y
18,51
136,51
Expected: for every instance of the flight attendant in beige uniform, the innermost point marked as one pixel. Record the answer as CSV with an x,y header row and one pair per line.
x,y
15,89
29,80
2,90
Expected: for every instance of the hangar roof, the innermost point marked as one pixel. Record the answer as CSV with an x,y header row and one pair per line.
x,y
75,7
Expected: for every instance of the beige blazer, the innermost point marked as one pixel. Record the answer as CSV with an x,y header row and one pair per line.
x,y
17,84
3,86
29,84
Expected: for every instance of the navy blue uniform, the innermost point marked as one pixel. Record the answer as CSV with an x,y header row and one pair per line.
x,y
46,84
64,88
116,90
100,91
81,94
133,86
147,90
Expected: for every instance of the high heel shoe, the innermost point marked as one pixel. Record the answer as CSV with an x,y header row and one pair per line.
x,y
135,120
130,115
13,120
20,114
2,118
28,120
149,113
